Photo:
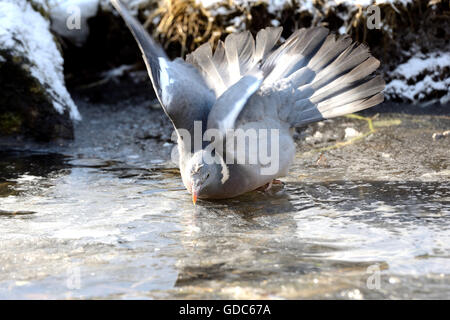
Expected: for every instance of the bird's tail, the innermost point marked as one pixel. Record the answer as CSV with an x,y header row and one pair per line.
x,y
333,76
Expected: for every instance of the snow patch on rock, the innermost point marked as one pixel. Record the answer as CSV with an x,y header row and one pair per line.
x,y
26,33
420,76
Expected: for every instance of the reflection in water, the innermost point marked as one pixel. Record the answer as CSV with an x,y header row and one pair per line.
x,y
18,168
131,231
16,163
316,239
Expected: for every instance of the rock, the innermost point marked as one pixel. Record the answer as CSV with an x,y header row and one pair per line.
x,y
437,135
351,133
314,139
34,100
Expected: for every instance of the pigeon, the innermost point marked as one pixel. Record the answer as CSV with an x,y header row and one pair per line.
x,y
256,91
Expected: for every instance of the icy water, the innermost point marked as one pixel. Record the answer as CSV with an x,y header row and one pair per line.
x,y
107,217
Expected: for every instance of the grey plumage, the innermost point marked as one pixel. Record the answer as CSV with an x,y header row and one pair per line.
x,y
233,59
248,84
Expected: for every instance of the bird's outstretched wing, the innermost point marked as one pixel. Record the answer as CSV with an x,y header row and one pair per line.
x,y
233,59
335,78
312,76
229,105
235,71
180,88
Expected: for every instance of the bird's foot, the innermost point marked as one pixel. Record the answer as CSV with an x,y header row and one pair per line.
x,y
270,185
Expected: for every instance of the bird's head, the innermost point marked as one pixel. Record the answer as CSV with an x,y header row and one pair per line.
x,y
205,175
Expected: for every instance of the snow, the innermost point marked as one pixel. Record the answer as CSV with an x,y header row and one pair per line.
x,y
117,72
273,3
237,24
275,6
25,32
132,5
431,65
416,65
366,3
351,133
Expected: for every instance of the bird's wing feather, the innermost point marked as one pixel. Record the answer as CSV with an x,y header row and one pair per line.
x,y
235,72
233,59
229,105
338,79
294,53
317,76
180,88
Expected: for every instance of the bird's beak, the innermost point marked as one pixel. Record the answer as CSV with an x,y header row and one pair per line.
x,y
194,197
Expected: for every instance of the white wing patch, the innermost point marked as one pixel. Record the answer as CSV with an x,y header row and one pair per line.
x,y
165,81
228,121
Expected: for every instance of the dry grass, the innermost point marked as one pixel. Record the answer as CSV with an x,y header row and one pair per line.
x,y
185,23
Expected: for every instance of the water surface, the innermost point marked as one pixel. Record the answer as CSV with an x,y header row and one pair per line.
x,y
107,217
